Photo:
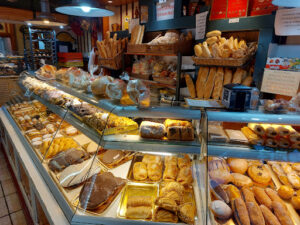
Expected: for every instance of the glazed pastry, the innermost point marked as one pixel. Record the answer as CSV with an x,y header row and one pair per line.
x,y
172,123
285,192
257,128
262,197
269,217
140,171
233,192
218,191
240,211
184,162
281,213
162,215
241,180
172,186
274,196
98,190
151,159
296,202
271,131
139,212
259,174
186,213
154,171
170,173
255,214
286,167
294,179
220,209
178,198
221,176
171,160
167,203
238,165
185,176
135,201
152,130
283,130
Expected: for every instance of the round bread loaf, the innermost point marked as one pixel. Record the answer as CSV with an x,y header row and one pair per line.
x,y
259,174
238,165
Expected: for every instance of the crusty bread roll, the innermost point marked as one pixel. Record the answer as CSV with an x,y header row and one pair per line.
x,y
209,84
190,85
201,80
213,33
211,40
198,50
215,51
255,214
227,76
281,213
218,86
205,50
269,217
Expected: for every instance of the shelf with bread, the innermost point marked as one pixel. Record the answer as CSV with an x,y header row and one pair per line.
x,y
167,192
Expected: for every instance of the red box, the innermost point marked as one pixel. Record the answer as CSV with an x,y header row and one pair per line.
x,y
69,56
237,8
261,7
218,9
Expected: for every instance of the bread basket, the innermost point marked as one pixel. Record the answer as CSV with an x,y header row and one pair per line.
x,y
114,63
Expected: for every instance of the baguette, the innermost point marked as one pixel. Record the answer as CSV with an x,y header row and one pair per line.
x,y
227,76
274,197
201,80
240,212
270,218
238,76
255,214
247,81
103,48
218,86
281,213
248,195
209,84
262,197
190,85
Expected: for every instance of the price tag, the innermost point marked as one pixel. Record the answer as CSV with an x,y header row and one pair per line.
x,y
234,20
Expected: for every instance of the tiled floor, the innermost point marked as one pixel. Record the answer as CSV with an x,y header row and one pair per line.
x,y
11,212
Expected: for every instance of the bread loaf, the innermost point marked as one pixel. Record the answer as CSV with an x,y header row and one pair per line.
x,y
227,76
190,85
247,81
218,86
209,84
201,80
205,50
152,130
180,133
198,50
213,33
238,76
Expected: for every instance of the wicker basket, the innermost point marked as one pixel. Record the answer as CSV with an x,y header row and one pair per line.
x,y
112,63
137,48
184,47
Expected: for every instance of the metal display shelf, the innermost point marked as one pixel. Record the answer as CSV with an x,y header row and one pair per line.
x,y
124,142
132,111
239,151
254,117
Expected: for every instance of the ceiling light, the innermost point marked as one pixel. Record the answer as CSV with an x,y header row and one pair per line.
x,y
109,1
45,18
286,3
61,27
87,8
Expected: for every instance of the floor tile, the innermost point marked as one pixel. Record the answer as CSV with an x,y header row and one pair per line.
x,y
5,220
13,202
1,192
8,187
3,208
4,174
18,218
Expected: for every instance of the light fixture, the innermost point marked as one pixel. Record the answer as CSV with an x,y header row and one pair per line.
x,y
109,2
86,8
44,18
286,3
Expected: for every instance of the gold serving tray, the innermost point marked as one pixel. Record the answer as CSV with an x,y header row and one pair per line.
x,y
136,189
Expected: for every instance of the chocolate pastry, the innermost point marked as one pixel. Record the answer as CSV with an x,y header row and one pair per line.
x,y
98,189
67,158
111,156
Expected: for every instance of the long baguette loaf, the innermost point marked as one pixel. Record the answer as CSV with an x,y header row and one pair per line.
x,y
209,84
190,85
238,76
201,79
218,86
227,76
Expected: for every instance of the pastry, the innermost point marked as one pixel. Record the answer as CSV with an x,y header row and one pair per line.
x,y
112,156
178,198
179,123
154,171
296,202
185,176
171,160
78,173
190,85
180,133
233,192
294,179
270,130
218,164
221,176
151,159
255,214
270,142
170,173
285,192
241,180
238,165
252,137
140,171
167,203
162,215
172,186
248,195
139,212
98,190
257,128
274,196
259,174
281,213
184,162
135,201
152,130
240,212
270,218
262,197
187,212
220,209
218,191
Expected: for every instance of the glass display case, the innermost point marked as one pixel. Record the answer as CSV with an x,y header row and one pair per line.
x,y
11,65
107,163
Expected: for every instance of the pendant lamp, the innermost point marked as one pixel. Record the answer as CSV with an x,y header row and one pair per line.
x,y
86,8
45,18
286,3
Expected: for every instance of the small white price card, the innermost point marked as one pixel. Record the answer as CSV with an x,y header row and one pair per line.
x,y
280,82
201,25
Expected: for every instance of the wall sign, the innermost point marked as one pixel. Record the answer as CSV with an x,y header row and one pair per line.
x,y
287,22
277,81
165,11
201,25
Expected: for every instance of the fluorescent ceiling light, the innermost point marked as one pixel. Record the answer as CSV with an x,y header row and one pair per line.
x,y
85,8
286,3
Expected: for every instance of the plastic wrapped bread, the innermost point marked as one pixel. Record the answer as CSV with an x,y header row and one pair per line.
x,y
115,89
98,86
152,130
139,93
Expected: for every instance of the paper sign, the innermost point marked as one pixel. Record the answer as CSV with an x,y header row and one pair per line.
x,y
287,22
133,23
165,11
234,20
280,82
201,25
